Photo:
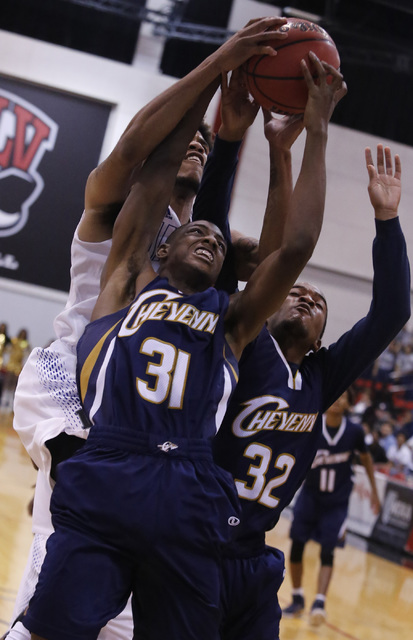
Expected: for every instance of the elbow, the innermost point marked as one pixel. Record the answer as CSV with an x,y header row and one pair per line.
x,y
299,251
126,152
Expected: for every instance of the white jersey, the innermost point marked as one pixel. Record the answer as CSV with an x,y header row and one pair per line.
x,y
49,374
46,401
47,404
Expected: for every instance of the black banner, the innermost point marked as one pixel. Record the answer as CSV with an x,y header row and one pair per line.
x,y
49,143
395,521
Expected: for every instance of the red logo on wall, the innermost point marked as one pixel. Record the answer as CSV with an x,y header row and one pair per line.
x,y
26,133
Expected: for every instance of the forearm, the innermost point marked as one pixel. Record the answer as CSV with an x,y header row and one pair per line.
x,y
110,182
214,197
390,308
157,119
270,283
308,200
278,202
151,193
367,462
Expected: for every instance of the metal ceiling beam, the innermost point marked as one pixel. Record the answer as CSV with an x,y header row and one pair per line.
x,y
167,23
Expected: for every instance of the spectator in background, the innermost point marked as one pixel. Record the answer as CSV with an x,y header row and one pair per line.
x,y
400,455
405,336
384,365
14,356
405,422
374,447
387,438
404,362
4,342
403,371
363,404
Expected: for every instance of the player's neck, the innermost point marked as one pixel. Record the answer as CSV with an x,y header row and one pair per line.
x,y
333,420
181,202
292,350
292,341
182,282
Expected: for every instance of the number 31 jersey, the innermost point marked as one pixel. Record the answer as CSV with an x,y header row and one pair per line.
x,y
160,366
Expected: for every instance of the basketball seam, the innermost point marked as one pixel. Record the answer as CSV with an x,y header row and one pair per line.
x,y
262,77
283,46
294,42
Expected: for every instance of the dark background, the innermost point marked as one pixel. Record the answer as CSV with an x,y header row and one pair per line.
x,y
374,38
42,246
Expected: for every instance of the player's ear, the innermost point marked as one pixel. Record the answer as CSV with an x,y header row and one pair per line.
x,y
316,345
162,251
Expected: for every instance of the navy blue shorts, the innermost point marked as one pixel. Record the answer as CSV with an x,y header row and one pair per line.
x,y
314,520
250,608
149,523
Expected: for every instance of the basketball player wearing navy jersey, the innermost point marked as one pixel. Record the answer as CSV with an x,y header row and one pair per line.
x,y
52,427
142,507
273,425
322,504
46,411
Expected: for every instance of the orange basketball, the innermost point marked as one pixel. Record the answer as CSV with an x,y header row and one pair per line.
x,y
277,82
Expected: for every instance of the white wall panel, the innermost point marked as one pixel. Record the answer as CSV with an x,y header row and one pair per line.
x,y
342,259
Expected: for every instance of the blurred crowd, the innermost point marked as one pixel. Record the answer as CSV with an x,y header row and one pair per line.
x,y
384,406
14,352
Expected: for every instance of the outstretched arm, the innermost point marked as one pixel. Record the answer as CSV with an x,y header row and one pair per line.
x,y
384,183
109,184
348,357
237,114
214,197
128,268
281,134
272,280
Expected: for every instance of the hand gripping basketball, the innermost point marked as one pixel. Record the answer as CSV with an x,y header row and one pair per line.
x,y
277,82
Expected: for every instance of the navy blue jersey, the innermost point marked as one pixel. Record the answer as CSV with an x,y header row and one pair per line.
x,y
273,425
213,201
330,478
165,361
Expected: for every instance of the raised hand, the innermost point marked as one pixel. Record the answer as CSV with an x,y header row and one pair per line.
x,y
238,111
252,40
384,182
245,252
323,93
282,132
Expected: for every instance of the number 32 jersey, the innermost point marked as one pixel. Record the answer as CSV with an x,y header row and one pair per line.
x,y
160,366
273,426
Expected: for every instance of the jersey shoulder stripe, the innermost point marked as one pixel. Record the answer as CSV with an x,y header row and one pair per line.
x,y
91,360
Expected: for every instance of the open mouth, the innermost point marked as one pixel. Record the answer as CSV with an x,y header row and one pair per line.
x,y
195,158
204,253
304,308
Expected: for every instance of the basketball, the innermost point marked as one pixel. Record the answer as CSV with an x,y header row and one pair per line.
x,y
277,82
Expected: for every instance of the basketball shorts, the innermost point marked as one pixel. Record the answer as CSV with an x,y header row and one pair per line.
x,y
314,520
150,521
250,608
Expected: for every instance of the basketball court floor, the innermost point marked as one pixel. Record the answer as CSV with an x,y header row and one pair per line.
x,y
370,598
